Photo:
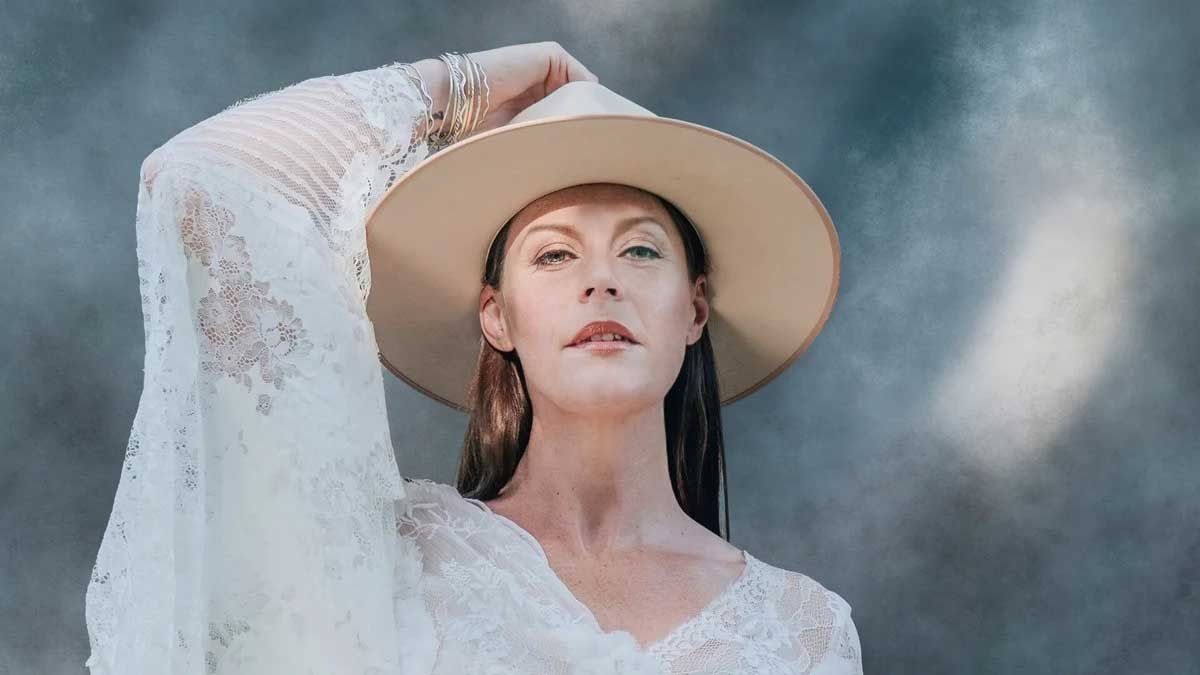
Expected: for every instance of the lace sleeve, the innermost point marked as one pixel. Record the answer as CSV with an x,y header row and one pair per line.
x,y
253,527
844,654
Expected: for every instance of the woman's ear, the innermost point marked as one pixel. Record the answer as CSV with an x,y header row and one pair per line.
x,y
491,318
700,309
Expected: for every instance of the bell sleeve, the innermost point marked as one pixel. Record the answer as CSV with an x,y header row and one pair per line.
x,y
253,528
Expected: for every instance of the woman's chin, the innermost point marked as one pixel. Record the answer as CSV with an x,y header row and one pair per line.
x,y
609,396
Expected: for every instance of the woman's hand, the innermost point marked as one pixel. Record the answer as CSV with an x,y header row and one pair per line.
x,y
517,75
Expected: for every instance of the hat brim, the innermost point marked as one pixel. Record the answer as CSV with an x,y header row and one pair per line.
x,y
774,252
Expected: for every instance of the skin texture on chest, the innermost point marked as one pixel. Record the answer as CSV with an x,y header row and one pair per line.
x,y
650,590
648,595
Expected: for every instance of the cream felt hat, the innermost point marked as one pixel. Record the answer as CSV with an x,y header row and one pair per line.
x,y
773,250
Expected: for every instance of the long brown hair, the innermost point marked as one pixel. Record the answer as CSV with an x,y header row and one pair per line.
x,y
501,413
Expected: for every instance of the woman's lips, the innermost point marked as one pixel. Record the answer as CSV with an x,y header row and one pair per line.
x,y
603,345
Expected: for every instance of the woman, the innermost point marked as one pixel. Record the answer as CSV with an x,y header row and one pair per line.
x,y
260,524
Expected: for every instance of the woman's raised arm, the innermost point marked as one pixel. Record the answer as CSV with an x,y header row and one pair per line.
x,y
327,144
253,527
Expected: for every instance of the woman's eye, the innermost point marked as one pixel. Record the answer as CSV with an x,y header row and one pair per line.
x,y
542,259
653,254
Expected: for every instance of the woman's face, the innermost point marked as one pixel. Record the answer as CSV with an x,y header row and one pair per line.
x,y
592,253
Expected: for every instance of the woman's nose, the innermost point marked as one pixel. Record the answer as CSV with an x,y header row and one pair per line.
x,y
601,277
611,290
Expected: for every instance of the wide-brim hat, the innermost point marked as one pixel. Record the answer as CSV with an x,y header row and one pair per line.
x,y
773,249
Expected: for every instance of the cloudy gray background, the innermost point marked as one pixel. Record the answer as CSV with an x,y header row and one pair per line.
x,y
992,449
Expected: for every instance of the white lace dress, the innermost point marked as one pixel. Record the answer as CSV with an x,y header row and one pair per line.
x,y
260,524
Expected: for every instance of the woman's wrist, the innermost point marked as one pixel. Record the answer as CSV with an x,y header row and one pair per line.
x,y
437,81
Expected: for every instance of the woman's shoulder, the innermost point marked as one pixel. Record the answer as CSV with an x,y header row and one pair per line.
x,y
797,587
815,615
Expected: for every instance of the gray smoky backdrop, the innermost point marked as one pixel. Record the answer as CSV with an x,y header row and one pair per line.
x,y
992,451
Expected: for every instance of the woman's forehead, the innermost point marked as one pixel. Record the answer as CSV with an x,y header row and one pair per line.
x,y
618,199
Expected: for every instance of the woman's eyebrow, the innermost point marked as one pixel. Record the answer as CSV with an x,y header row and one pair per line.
x,y
569,230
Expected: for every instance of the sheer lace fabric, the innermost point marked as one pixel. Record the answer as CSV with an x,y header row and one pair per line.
x,y
260,523
491,592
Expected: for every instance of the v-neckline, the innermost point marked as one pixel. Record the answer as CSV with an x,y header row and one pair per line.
x,y
719,598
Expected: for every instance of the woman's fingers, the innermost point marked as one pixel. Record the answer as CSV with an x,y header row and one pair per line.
x,y
564,68
573,69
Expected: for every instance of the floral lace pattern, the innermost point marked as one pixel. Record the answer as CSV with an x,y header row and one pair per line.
x,y
260,524
242,326
496,600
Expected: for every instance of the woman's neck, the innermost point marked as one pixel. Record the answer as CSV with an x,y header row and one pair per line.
x,y
597,487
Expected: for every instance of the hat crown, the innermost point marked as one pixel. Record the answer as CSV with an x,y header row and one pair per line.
x,y
580,97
